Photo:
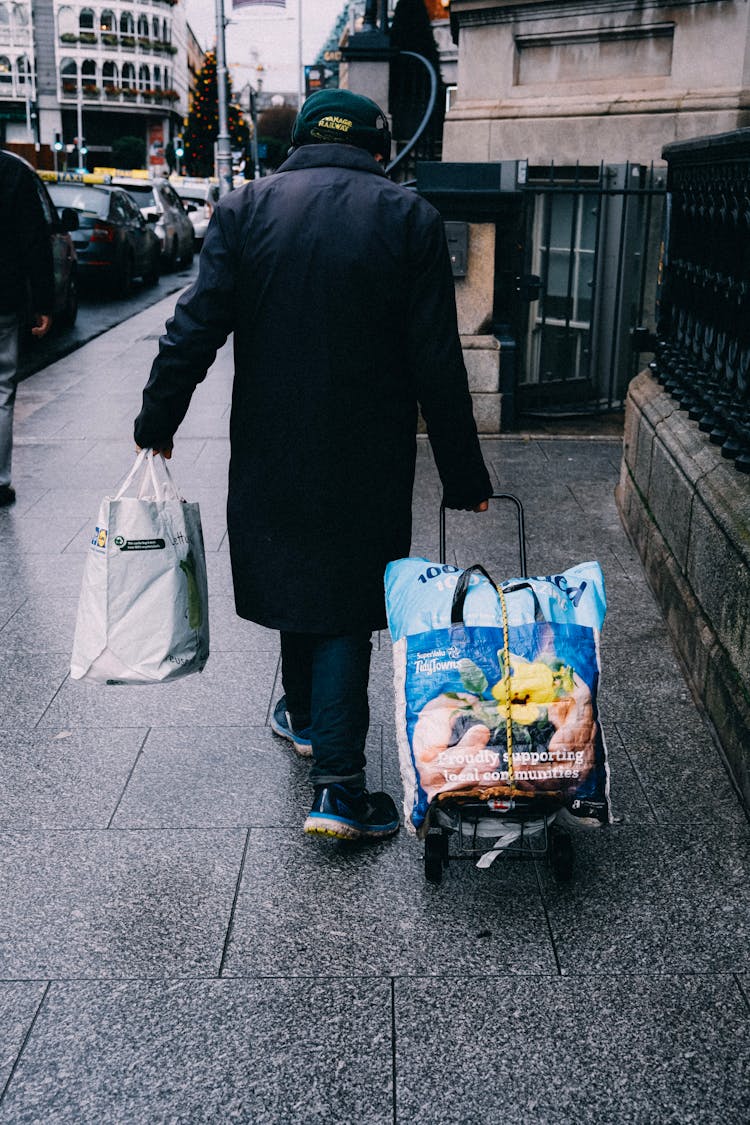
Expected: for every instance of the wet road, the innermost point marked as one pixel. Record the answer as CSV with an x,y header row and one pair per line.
x,y
98,313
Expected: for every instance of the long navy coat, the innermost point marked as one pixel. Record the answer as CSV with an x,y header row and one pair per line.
x,y
337,286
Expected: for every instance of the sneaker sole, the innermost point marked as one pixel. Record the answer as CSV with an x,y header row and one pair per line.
x,y
320,825
304,749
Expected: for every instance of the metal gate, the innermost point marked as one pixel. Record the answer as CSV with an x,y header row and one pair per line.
x,y
591,255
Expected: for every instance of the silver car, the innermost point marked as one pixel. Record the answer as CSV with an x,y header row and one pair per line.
x,y
161,206
199,197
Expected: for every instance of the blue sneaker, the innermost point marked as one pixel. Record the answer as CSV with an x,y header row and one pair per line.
x,y
351,815
281,724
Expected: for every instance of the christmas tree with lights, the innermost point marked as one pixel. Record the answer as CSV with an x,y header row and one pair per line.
x,y
202,123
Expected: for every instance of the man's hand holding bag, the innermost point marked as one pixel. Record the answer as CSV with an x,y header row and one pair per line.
x,y
143,610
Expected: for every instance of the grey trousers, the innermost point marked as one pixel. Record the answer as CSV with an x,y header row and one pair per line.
x,y
8,367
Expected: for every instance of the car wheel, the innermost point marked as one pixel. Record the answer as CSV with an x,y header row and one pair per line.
x,y
70,308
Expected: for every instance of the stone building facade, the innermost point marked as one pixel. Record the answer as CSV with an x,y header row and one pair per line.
x,y
593,80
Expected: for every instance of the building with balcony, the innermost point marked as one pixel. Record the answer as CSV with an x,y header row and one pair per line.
x,y
104,70
17,92
195,59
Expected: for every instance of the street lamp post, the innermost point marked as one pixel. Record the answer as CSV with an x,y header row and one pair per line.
x,y
79,116
223,144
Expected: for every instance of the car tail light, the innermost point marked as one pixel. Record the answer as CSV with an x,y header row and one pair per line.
x,y
102,232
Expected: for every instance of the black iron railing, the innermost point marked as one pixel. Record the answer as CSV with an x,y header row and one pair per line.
x,y
703,351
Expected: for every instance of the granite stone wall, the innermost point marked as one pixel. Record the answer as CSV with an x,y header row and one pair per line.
x,y
687,511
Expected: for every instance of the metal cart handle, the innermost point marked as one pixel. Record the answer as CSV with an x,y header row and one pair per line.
x,y
521,528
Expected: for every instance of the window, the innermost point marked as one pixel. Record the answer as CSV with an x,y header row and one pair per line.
x,y
81,197
165,35
107,21
171,197
132,212
69,76
20,16
109,74
128,76
127,27
67,23
117,210
86,19
144,78
6,74
157,78
88,73
143,27
565,224
50,214
155,29
4,22
23,70
143,196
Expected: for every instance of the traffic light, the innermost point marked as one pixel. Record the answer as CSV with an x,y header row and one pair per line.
x,y
179,148
58,142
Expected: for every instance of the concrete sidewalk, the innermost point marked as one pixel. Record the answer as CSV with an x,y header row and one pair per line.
x,y
173,949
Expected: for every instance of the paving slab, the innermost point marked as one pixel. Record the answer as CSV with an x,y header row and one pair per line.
x,y
654,900
41,625
19,1001
230,633
681,771
28,684
221,776
310,907
291,1051
65,778
638,677
10,603
27,536
116,904
44,576
625,1049
232,690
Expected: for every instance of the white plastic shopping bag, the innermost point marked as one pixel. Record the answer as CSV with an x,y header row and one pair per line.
x,y
143,609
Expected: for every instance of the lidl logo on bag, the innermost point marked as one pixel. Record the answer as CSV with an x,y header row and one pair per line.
x,y
99,538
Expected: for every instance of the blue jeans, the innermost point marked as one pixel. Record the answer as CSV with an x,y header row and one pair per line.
x,y
325,683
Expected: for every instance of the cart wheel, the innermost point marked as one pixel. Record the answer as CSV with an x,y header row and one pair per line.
x,y
561,855
444,839
434,849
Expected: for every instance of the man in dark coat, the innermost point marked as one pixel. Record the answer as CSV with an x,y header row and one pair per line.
x,y
338,288
26,274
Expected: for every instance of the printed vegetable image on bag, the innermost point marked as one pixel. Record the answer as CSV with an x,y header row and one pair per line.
x,y
496,687
143,609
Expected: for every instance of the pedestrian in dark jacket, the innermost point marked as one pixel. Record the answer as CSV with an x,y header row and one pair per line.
x,y
338,288
25,273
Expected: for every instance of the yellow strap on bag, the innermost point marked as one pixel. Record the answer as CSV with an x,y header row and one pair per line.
x,y
508,689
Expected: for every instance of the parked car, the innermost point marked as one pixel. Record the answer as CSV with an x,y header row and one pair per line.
x,y
65,306
199,198
160,205
113,240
